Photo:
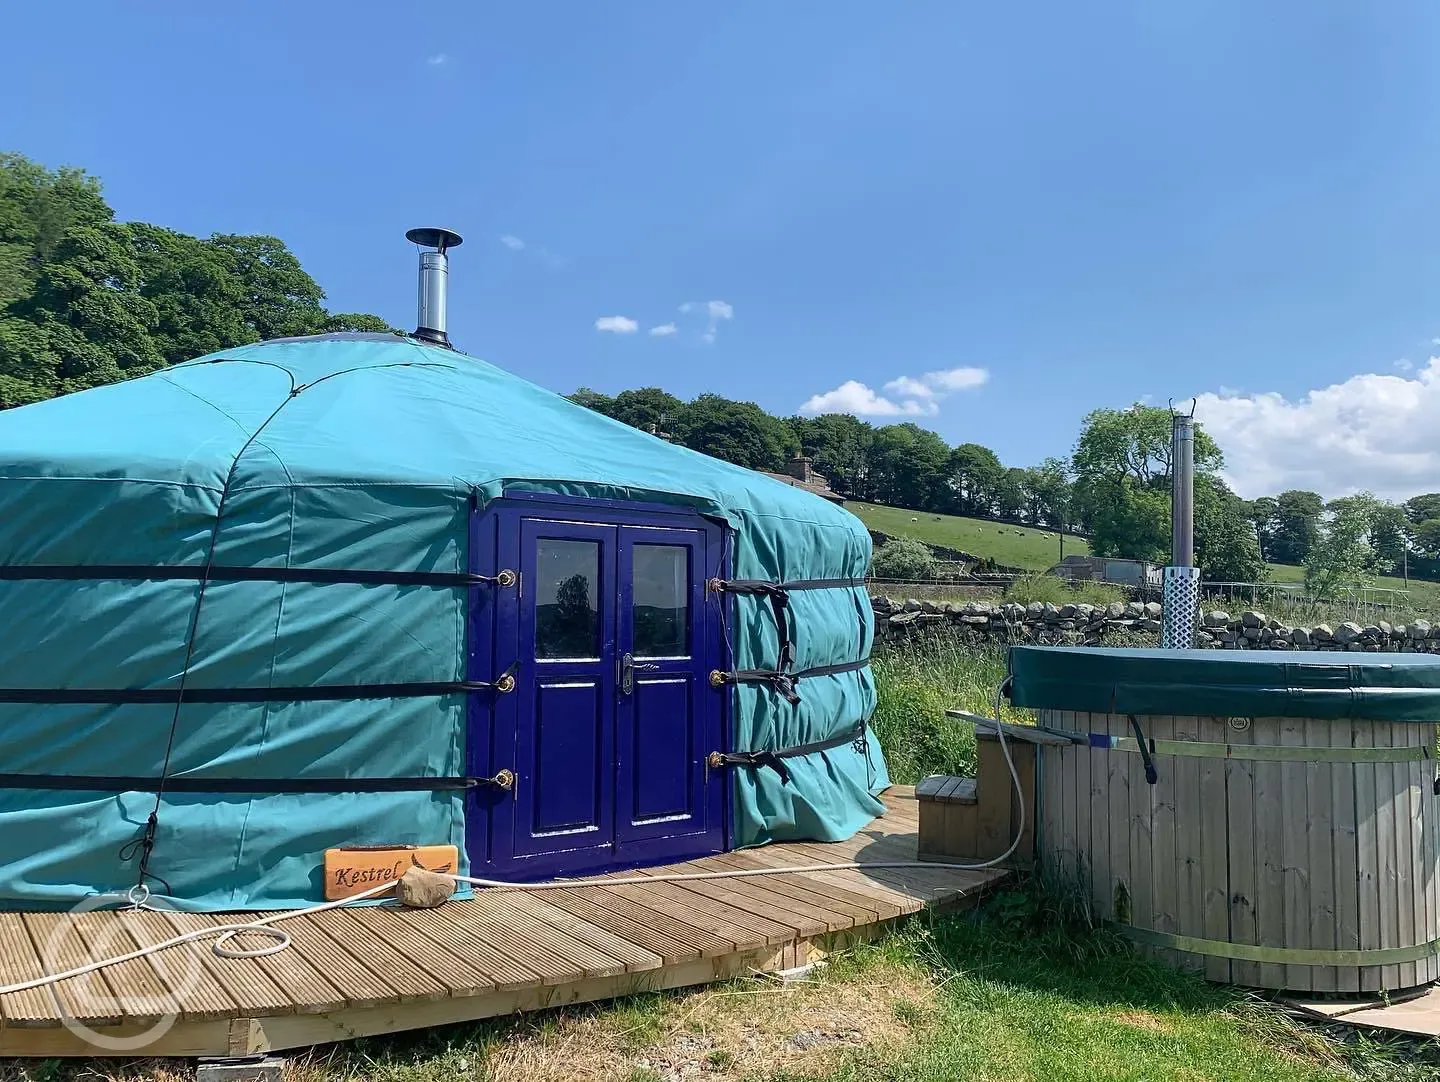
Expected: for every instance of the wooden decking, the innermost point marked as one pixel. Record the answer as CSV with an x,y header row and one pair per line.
x,y
360,971
1416,1012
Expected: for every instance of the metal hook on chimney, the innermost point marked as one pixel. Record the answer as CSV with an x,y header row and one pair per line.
x,y
434,281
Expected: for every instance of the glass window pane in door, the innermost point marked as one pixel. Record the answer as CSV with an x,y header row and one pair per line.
x,y
661,600
567,613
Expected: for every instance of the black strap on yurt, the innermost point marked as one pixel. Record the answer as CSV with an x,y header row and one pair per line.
x,y
314,693
775,759
779,595
783,682
111,783
198,573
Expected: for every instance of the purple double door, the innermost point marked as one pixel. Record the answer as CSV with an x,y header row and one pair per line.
x,y
610,638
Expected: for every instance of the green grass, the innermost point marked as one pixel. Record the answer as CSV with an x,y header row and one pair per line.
x,y
1057,591
1013,546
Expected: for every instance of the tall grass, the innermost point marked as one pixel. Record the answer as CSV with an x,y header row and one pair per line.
x,y
1058,591
916,683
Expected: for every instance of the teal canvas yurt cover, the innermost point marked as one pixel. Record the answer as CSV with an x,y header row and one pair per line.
x,y
360,590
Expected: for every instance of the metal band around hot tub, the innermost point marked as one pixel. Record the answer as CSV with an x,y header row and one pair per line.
x,y
1295,956
1272,753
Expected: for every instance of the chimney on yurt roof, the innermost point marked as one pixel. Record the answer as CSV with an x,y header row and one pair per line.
x,y
430,322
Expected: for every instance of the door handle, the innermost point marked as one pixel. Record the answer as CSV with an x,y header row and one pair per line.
x,y
627,673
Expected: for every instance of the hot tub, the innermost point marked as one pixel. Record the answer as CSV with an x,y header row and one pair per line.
x,y
1289,837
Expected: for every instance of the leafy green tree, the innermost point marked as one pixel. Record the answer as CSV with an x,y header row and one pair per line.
x,y
280,299
909,467
1047,489
94,324
976,476
1427,537
903,558
1134,443
85,300
199,303
1262,512
841,447
1010,492
1226,547
738,432
1389,534
1423,508
594,400
651,409
1342,557
357,321
1122,479
1296,525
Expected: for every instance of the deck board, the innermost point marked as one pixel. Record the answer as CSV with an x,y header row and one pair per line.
x,y
369,969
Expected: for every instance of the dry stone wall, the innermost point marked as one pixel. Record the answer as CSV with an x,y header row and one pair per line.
x,y
1137,623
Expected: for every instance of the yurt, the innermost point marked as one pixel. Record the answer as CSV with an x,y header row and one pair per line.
x,y
367,590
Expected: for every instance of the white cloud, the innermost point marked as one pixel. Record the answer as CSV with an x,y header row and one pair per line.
x,y
439,60
910,388
617,324
1372,431
511,241
852,396
714,312
1403,365
913,396
956,379
663,330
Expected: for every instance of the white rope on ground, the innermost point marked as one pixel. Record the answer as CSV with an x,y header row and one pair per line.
x,y
224,933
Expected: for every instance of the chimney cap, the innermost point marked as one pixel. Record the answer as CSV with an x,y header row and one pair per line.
x,y
434,237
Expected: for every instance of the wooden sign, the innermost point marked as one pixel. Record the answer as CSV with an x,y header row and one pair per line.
x,y
353,869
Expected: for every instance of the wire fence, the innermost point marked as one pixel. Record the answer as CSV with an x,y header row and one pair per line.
x,y
1286,599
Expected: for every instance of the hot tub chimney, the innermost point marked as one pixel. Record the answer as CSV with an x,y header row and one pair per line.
x,y
1182,579
430,324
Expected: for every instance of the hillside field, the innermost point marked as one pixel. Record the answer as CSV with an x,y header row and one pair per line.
x,y
1035,548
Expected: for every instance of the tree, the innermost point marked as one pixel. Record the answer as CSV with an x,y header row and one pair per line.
x,y
1134,443
976,476
279,300
1427,537
1423,508
903,558
85,300
1010,495
840,446
1226,548
1048,493
1122,479
1262,513
199,303
651,410
1389,533
594,400
93,325
1342,558
357,321
909,467
1296,526
738,432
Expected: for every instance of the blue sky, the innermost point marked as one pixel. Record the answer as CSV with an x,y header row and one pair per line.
x,y
1087,203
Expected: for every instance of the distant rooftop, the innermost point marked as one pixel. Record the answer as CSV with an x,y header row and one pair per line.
x,y
798,474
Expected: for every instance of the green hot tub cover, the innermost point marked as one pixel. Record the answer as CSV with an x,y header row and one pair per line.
x,y
359,452
1227,683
